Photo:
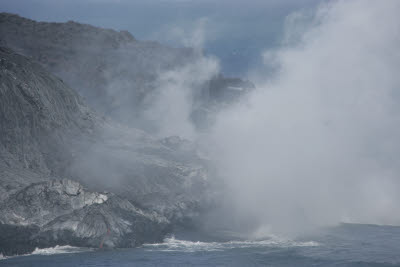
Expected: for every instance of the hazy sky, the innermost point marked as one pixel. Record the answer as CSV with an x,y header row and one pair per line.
x,y
236,31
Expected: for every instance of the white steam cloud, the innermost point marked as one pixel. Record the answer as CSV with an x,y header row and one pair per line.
x,y
173,101
171,105
319,143
315,145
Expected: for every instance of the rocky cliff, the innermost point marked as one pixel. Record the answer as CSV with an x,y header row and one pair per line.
x,y
48,134
97,62
62,212
114,72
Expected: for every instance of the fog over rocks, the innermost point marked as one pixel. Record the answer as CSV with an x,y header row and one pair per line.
x,y
48,134
138,83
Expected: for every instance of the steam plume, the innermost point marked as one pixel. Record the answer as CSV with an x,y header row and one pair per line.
x,y
319,142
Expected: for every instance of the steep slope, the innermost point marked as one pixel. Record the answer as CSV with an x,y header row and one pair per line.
x,y
38,116
47,128
114,72
47,133
98,62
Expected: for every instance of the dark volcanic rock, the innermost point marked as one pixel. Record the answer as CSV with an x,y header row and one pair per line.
x,y
62,212
15,239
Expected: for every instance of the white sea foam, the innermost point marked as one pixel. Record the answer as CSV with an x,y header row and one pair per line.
x,y
173,244
59,250
50,251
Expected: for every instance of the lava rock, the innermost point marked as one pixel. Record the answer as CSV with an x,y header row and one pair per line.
x,y
62,212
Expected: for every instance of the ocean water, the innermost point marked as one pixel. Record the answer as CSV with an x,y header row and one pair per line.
x,y
345,245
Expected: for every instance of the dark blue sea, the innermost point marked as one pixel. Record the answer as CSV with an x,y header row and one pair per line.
x,y
344,245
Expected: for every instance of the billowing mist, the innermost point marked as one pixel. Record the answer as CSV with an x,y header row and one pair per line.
x,y
171,104
317,143
108,140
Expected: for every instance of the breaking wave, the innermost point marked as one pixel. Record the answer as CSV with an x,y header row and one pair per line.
x,y
173,244
59,250
51,251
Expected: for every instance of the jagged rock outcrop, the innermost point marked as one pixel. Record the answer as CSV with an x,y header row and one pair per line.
x,y
42,202
62,212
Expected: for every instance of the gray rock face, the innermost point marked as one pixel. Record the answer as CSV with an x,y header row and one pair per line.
x,y
46,133
38,114
114,72
44,126
63,212
42,202
61,139
110,69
